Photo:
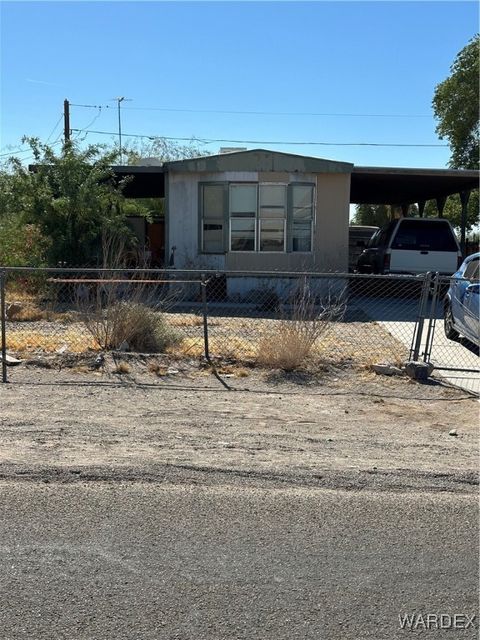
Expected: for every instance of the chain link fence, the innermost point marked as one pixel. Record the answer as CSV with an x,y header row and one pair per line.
x,y
271,319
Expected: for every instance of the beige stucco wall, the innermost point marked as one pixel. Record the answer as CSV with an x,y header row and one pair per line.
x,y
330,240
331,232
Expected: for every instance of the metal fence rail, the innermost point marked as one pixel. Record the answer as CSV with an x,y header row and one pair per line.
x,y
268,318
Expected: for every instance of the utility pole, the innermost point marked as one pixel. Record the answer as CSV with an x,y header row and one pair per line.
x,y
119,100
66,120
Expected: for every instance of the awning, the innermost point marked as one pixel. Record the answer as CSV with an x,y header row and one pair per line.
x,y
385,185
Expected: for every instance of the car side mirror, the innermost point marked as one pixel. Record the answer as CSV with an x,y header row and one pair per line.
x,y
474,288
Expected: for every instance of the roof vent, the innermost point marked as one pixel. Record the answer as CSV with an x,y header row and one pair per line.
x,y
231,149
149,162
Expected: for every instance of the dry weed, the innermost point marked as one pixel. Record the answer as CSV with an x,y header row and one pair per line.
x,y
184,320
158,369
122,368
29,341
27,314
289,343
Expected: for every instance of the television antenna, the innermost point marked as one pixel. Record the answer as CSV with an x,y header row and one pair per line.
x,y
119,101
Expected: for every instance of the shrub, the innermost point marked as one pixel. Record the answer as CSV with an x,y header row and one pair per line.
x,y
286,344
131,326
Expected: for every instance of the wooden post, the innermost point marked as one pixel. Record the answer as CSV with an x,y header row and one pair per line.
x,y
66,121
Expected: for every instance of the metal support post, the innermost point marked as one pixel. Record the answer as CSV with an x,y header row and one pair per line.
x,y
3,323
432,319
203,287
417,336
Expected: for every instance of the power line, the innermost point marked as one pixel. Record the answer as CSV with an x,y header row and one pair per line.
x,y
54,128
28,150
92,121
272,142
263,113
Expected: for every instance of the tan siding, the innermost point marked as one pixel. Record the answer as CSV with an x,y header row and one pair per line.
x,y
331,233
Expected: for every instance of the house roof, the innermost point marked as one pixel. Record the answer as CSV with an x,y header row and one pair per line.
x,y
259,160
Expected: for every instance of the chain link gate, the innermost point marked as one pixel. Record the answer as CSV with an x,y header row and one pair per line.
x,y
456,361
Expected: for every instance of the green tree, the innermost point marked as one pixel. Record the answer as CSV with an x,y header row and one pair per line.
x,y
453,210
456,107
371,214
72,199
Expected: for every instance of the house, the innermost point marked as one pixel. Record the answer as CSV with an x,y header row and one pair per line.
x,y
263,210
258,211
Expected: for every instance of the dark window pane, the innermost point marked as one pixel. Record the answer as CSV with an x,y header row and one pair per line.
x,y
272,235
302,236
213,237
242,235
423,235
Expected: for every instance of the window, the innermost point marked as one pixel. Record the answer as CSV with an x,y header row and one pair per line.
x,y
302,214
266,217
272,217
212,207
243,212
472,271
424,235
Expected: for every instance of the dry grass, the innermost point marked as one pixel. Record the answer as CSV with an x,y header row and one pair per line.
x,y
27,314
361,343
185,320
294,338
31,312
287,349
157,369
133,324
230,347
122,368
28,341
238,341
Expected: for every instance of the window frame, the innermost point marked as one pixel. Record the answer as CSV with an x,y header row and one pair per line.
x,y
247,183
201,217
291,219
288,219
268,219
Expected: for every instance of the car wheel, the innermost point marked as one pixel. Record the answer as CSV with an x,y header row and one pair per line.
x,y
450,331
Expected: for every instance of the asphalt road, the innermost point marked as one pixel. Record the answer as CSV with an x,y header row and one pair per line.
x,y
151,561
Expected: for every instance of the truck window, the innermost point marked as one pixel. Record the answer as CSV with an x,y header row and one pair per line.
x,y
424,235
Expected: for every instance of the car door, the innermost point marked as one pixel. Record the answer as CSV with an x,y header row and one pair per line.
x,y
471,301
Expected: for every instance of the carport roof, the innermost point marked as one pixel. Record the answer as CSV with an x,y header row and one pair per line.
x,y
391,185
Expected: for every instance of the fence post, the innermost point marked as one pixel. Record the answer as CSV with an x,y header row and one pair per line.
x,y
3,325
417,336
432,319
203,287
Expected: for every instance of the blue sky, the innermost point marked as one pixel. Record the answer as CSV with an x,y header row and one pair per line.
x,y
376,60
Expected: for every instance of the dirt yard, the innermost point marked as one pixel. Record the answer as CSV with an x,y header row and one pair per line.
x,y
154,418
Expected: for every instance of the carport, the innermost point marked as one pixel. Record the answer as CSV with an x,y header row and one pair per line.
x,y
403,187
